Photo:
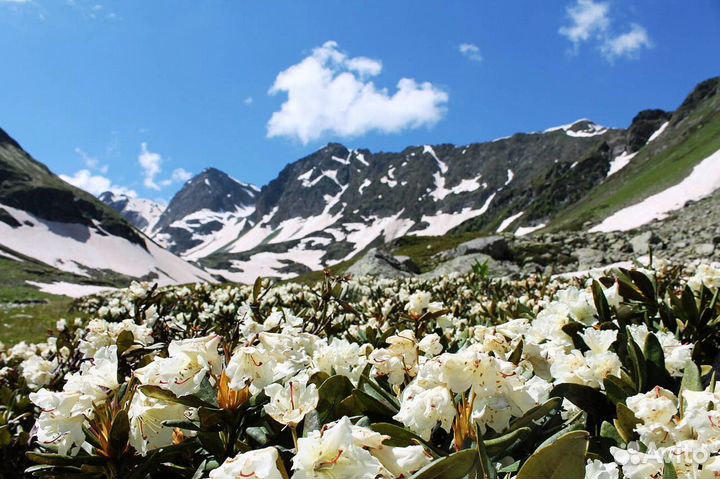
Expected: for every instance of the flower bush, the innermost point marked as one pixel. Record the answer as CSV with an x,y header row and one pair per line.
x,y
462,377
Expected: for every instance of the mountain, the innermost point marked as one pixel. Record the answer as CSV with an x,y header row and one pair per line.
x,y
47,221
141,213
329,206
209,211
332,204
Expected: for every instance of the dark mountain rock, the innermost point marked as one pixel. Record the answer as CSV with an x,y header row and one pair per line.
x,y
643,126
200,209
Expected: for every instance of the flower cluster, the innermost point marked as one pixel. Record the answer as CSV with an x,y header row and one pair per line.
x,y
376,378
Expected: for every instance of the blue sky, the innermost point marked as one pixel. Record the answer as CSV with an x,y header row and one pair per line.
x,y
137,95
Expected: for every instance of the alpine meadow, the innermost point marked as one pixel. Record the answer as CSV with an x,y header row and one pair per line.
x,y
306,239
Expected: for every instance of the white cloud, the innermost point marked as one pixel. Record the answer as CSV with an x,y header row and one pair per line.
x,y
150,164
470,51
181,175
627,44
95,184
587,19
91,162
328,92
590,22
248,100
17,2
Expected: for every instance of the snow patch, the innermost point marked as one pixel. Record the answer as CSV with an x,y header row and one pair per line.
x,y
658,132
510,176
77,248
364,185
508,221
525,230
62,288
441,223
701,182
620,162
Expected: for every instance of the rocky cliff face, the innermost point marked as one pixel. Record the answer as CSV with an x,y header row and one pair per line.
x,y
207,204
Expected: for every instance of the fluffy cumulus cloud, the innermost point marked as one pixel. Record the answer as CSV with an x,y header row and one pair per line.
x,y
590,22
150,164
587,20
329,92
95,184
470,51
628,44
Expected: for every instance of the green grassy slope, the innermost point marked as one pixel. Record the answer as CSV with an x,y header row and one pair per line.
x,y
657,166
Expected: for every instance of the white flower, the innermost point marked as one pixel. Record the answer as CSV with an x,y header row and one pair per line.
x,y
146,422
257,464
658,406
250,365
63,414
188,363
60,424
418,302
399,359
332,454
431,345
595,469
707,275
422,409
598,341
289,404
402,461
340,357
580,303
37,371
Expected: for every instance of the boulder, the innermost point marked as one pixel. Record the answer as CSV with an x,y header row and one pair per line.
x,y
641,242
494,246
588,258
378,262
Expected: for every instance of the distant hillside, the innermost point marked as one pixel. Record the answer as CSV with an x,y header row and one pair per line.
x,y
47,221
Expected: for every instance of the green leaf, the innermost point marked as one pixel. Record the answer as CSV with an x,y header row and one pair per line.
x,y
211,417
401,437
258,434
120,431
690,382
500,444
331,394
657,374
373,405
637,361
486,469
625,423
124,341
536,413
617,390
516,355
601,303
669,471
609,432
52,459
563,459
159,393
454,466
691,378
590,400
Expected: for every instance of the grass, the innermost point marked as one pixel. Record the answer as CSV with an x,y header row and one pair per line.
x,y
25,312
30,322
656,168
421,249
